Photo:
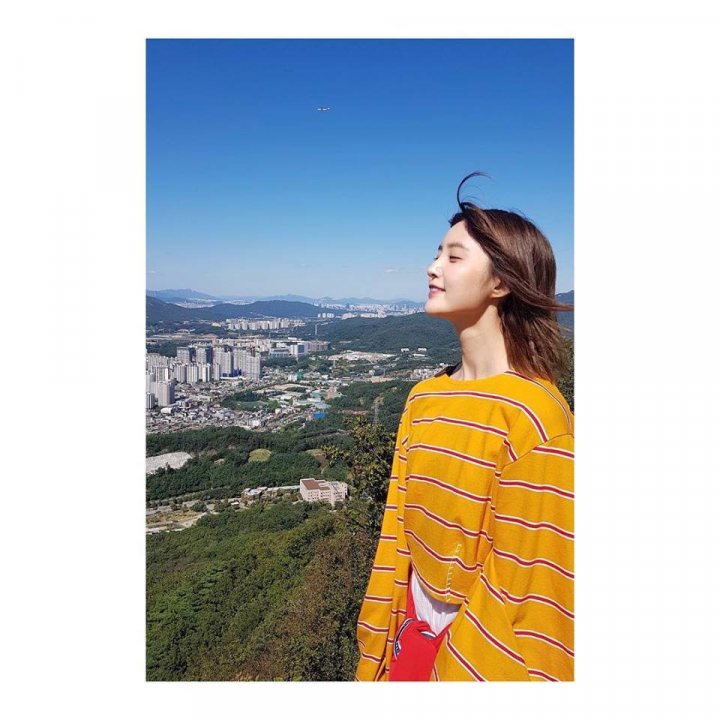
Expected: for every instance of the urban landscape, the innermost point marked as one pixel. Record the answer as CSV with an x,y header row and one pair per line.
x,y
214,382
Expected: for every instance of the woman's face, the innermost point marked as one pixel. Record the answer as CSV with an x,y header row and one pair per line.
x,y
463,272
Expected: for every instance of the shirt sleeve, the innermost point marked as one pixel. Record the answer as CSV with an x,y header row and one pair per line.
x,y
375,613
518,620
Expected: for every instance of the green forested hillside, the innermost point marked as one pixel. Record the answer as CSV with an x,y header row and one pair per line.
x,y
157,310
232,472
271,592
268,593
390,397
388,335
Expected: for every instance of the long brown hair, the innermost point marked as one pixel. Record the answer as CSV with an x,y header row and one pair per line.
x,y
522,258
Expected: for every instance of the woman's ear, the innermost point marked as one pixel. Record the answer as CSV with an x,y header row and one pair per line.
x,y
499,290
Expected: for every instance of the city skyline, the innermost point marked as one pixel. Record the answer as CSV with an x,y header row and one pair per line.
x,y
252,191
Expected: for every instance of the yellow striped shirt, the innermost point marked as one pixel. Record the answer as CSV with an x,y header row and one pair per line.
x,y
480,502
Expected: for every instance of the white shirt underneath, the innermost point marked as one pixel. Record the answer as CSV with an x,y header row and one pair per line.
x,y
435,613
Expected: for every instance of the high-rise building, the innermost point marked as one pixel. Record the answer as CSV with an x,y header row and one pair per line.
x,y
250,364
162,373
150,401
204,354
225,360
156,359
185,354
180,372
150,382
216,371
193,373
237,357
165,393
205,372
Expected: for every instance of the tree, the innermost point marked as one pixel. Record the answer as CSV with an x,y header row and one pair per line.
x,y
566,376
340,368
370,462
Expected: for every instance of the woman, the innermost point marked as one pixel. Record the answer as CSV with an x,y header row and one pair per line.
x,y
473,575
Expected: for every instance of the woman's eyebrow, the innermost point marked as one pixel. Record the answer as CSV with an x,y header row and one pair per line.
x,y
455,244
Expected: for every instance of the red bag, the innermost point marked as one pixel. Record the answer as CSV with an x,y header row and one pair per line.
x,y
415,647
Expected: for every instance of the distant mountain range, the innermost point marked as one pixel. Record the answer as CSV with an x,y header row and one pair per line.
x,y
193,295
185,295
188,295
161,311
567,319
158,310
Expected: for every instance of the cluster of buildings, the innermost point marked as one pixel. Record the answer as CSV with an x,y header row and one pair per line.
x,y
203,363
380,313
245,324
195,364
312,490
249,495
371,310
296,348
188,413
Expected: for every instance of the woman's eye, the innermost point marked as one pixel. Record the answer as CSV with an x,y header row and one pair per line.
x,y
455,257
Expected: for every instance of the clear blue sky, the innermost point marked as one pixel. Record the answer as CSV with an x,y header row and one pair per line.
x,y
251,191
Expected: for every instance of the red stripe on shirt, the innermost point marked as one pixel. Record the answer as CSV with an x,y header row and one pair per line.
x,y
544,675
462,660
534,526
450,488
438,591
554,451
542,387
537,561
370,657
490,396
518,600
545,638
442,558
372,628
446,523
511,452
537,488
492,590
492,639
453,453
454,421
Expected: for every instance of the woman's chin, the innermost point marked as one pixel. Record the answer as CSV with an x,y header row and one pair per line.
x,y
432,308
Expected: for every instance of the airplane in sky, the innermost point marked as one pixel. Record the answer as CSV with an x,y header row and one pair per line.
x,y
322,109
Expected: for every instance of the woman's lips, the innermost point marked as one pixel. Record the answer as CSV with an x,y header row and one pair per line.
x,y
435,291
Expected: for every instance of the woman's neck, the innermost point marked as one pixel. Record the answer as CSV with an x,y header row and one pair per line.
x,y
482,347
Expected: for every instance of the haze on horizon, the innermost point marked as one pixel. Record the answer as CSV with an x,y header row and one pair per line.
x,y
252,191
